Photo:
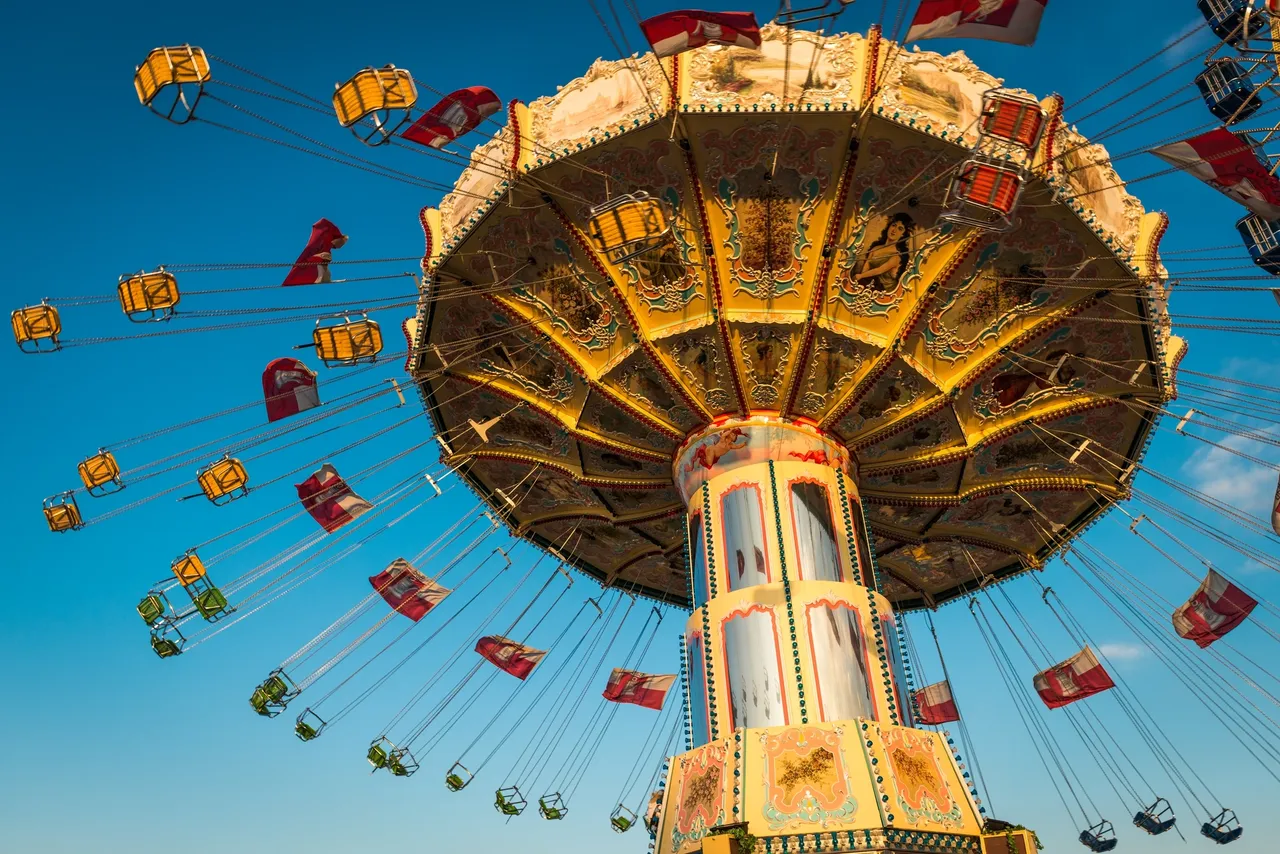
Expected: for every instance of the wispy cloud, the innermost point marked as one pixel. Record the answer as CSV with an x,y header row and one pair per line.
x,y
1252,567
1223,475
1122,651
1241,367
1191,38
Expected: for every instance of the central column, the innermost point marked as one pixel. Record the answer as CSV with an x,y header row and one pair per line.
x,y
787,626
799,727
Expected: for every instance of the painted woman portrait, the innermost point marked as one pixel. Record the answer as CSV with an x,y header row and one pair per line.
x,y
887,258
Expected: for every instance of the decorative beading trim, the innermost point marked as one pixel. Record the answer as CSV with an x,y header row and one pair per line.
x,y
786,590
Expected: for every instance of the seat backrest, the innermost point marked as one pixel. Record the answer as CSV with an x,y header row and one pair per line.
x,y
371,90
167,66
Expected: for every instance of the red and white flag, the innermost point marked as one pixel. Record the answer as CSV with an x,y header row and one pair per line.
x,y
1275,502
1009,21
329,500
1078,677
1217,607
407,590
640,689
675,32
1229,163
289,387
312,266
457,114
935,705
509,656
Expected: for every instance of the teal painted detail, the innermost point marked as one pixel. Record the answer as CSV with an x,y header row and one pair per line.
x,y
706,655
706,533
786,590
854,562
688,699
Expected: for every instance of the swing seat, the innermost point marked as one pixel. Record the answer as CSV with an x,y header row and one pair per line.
x,y
1095,843
100,474
983,196
552,807
1224,828
1226,18
1157,818
36,328
1220,836
386,95
273,695
378,753
1262,239
164,647
145,297
1015,119
401,763
1153,824
309,725
188,569
208,600
509,801
223,481
339,340
261,703
457,777
211,604
1228,90
622,819
62,513
152,608
186,68
628,225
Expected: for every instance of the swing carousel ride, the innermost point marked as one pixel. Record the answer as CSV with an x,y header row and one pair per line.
x,y
793,332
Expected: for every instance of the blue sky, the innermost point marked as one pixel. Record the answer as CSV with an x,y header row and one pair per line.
x,y
106,748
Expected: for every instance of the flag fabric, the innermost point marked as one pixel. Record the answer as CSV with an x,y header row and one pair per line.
x,y
407,590
509,656
675,32
1078,677
289,387
1009,21
312,266
457,114
935,705
640,689
1275,502
329,500
1229,163
1217,607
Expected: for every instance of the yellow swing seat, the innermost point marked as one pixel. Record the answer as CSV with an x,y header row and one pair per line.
x,y
36,328
148,296
186,68
224,481
339,340
627,226
386,95
209,602
62,513
100,474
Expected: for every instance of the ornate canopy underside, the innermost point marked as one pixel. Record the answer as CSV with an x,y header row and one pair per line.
x,y
807,274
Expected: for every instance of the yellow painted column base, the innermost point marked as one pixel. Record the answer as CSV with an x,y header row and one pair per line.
x,y
852,785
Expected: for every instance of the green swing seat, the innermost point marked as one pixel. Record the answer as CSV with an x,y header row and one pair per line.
x,y
151,609
377,755
273,695
509,801
164,647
